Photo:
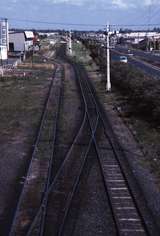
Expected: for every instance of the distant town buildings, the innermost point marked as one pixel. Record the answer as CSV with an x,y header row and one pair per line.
x,y
144,40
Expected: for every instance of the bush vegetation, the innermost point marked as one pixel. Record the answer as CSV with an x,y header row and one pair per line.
x,y
142,91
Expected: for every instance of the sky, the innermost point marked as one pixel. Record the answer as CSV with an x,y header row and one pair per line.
x,y
47,13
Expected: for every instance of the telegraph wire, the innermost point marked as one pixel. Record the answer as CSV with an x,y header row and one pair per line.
x,y
81,24
54,23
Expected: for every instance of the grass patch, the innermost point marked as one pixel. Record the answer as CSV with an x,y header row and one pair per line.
x,y
143,92
22,98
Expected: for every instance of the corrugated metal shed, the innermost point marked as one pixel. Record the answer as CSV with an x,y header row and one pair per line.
x,y
21,41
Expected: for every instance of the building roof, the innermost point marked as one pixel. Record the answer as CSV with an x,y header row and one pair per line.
x,y
29,34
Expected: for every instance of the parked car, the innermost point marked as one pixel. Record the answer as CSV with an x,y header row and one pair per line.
x,y
123,59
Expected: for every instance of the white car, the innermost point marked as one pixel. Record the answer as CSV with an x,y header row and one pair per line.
x,y
123,59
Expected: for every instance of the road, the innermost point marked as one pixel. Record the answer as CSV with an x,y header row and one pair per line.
x,y
137,60
148,55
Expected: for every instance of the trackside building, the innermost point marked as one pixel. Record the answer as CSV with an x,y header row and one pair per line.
x,y
21,41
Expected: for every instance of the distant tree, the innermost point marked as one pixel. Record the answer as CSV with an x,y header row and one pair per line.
x,y
125,30
156,29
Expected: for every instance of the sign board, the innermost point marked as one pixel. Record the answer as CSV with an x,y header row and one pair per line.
x,y
3,38
29,34
3,33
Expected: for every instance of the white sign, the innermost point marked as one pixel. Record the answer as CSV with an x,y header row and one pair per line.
x,y
3,32
3,39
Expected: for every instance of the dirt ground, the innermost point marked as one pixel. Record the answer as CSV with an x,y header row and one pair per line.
x,y
21,103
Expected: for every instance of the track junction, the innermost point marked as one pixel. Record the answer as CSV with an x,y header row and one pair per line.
x,y
49,201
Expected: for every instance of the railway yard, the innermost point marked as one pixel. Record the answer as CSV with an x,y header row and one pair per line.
x,y
70,163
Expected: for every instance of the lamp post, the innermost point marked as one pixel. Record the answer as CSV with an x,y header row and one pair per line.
x,y
70,43
108,84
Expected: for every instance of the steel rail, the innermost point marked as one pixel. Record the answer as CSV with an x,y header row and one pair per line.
x,y
88,84
76,184
42,119
49,176
94,140
116,155
93,131
51,186
77,180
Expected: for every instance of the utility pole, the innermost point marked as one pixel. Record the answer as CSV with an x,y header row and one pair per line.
x,y
70,43
1,68
149,21
108,84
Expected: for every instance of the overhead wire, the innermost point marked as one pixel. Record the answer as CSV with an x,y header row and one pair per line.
x,y
81,24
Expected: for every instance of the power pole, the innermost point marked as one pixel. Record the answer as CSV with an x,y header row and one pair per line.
x,y
108,84
70,43
1,68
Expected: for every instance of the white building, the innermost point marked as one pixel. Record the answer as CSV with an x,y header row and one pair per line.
x,y
4,41
21,41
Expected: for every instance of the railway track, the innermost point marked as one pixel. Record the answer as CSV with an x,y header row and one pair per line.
x,y
51,216
39,173
59,193
125,212
36,222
